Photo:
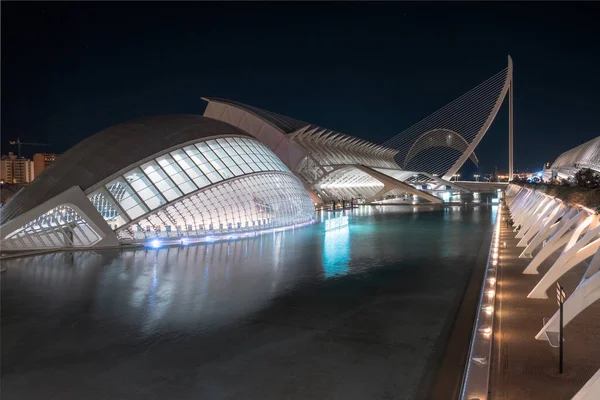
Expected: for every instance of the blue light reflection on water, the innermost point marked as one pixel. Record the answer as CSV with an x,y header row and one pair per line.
x,y
336,252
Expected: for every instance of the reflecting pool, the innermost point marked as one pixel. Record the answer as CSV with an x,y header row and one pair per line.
x,y
360,312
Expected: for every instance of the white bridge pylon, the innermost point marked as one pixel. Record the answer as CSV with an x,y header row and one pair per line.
x,y
442,142
546,225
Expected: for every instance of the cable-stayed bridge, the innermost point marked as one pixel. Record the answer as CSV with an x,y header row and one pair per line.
x,y
441,143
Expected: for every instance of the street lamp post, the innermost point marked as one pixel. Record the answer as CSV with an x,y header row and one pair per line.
x,y
560,299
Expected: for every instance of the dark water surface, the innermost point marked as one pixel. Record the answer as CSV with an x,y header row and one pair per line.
x,y
357,313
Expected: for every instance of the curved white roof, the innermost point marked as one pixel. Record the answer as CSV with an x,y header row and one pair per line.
x,y
586,155
111,150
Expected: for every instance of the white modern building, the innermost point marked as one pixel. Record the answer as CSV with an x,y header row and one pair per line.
x,y
586,155
332,165
167,177
236,170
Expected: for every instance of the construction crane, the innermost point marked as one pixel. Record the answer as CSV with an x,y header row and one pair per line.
x,y
18,143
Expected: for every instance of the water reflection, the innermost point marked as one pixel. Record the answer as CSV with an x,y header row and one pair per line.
x,y
336,252
203,286
127,317
193,287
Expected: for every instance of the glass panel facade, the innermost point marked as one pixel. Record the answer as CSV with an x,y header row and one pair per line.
x,y
190,167
180,178
249,203
161,181
142,186
107,207
127,198
255,202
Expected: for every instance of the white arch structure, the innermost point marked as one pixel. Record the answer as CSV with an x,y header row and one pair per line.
x,y
439,138
548,225
464,121
429,153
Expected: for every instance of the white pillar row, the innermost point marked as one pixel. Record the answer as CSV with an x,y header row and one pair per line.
x,y
520,201
569,259
549,228
547,218
517,204
549,212
516,201
589,223
523,205
528,206
557,240
552,225
532,217
513,194
534,223
519,208
511,191
586,293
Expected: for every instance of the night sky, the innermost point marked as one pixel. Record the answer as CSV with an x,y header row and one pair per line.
x,y
370,70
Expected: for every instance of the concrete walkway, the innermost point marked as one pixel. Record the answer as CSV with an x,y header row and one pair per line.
x,y
525,368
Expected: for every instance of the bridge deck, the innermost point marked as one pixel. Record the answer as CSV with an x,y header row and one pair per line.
x,y
482,187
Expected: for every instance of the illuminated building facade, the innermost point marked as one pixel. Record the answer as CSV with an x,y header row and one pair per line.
x,y
331,164
175,177
235,170
15,169
41,161
420,161
586,155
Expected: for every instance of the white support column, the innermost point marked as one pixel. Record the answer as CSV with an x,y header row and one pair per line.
x,y
582,250
518,200
512,190
581,228
529,208
526,208
557,240
586,293
533,218
551,208
511,91
517,206
380,193
512,193
552,225
392,183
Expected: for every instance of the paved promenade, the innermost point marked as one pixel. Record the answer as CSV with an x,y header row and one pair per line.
x,y
525,368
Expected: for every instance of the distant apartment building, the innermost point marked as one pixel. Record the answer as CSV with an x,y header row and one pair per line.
x,y
15,169
41,161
